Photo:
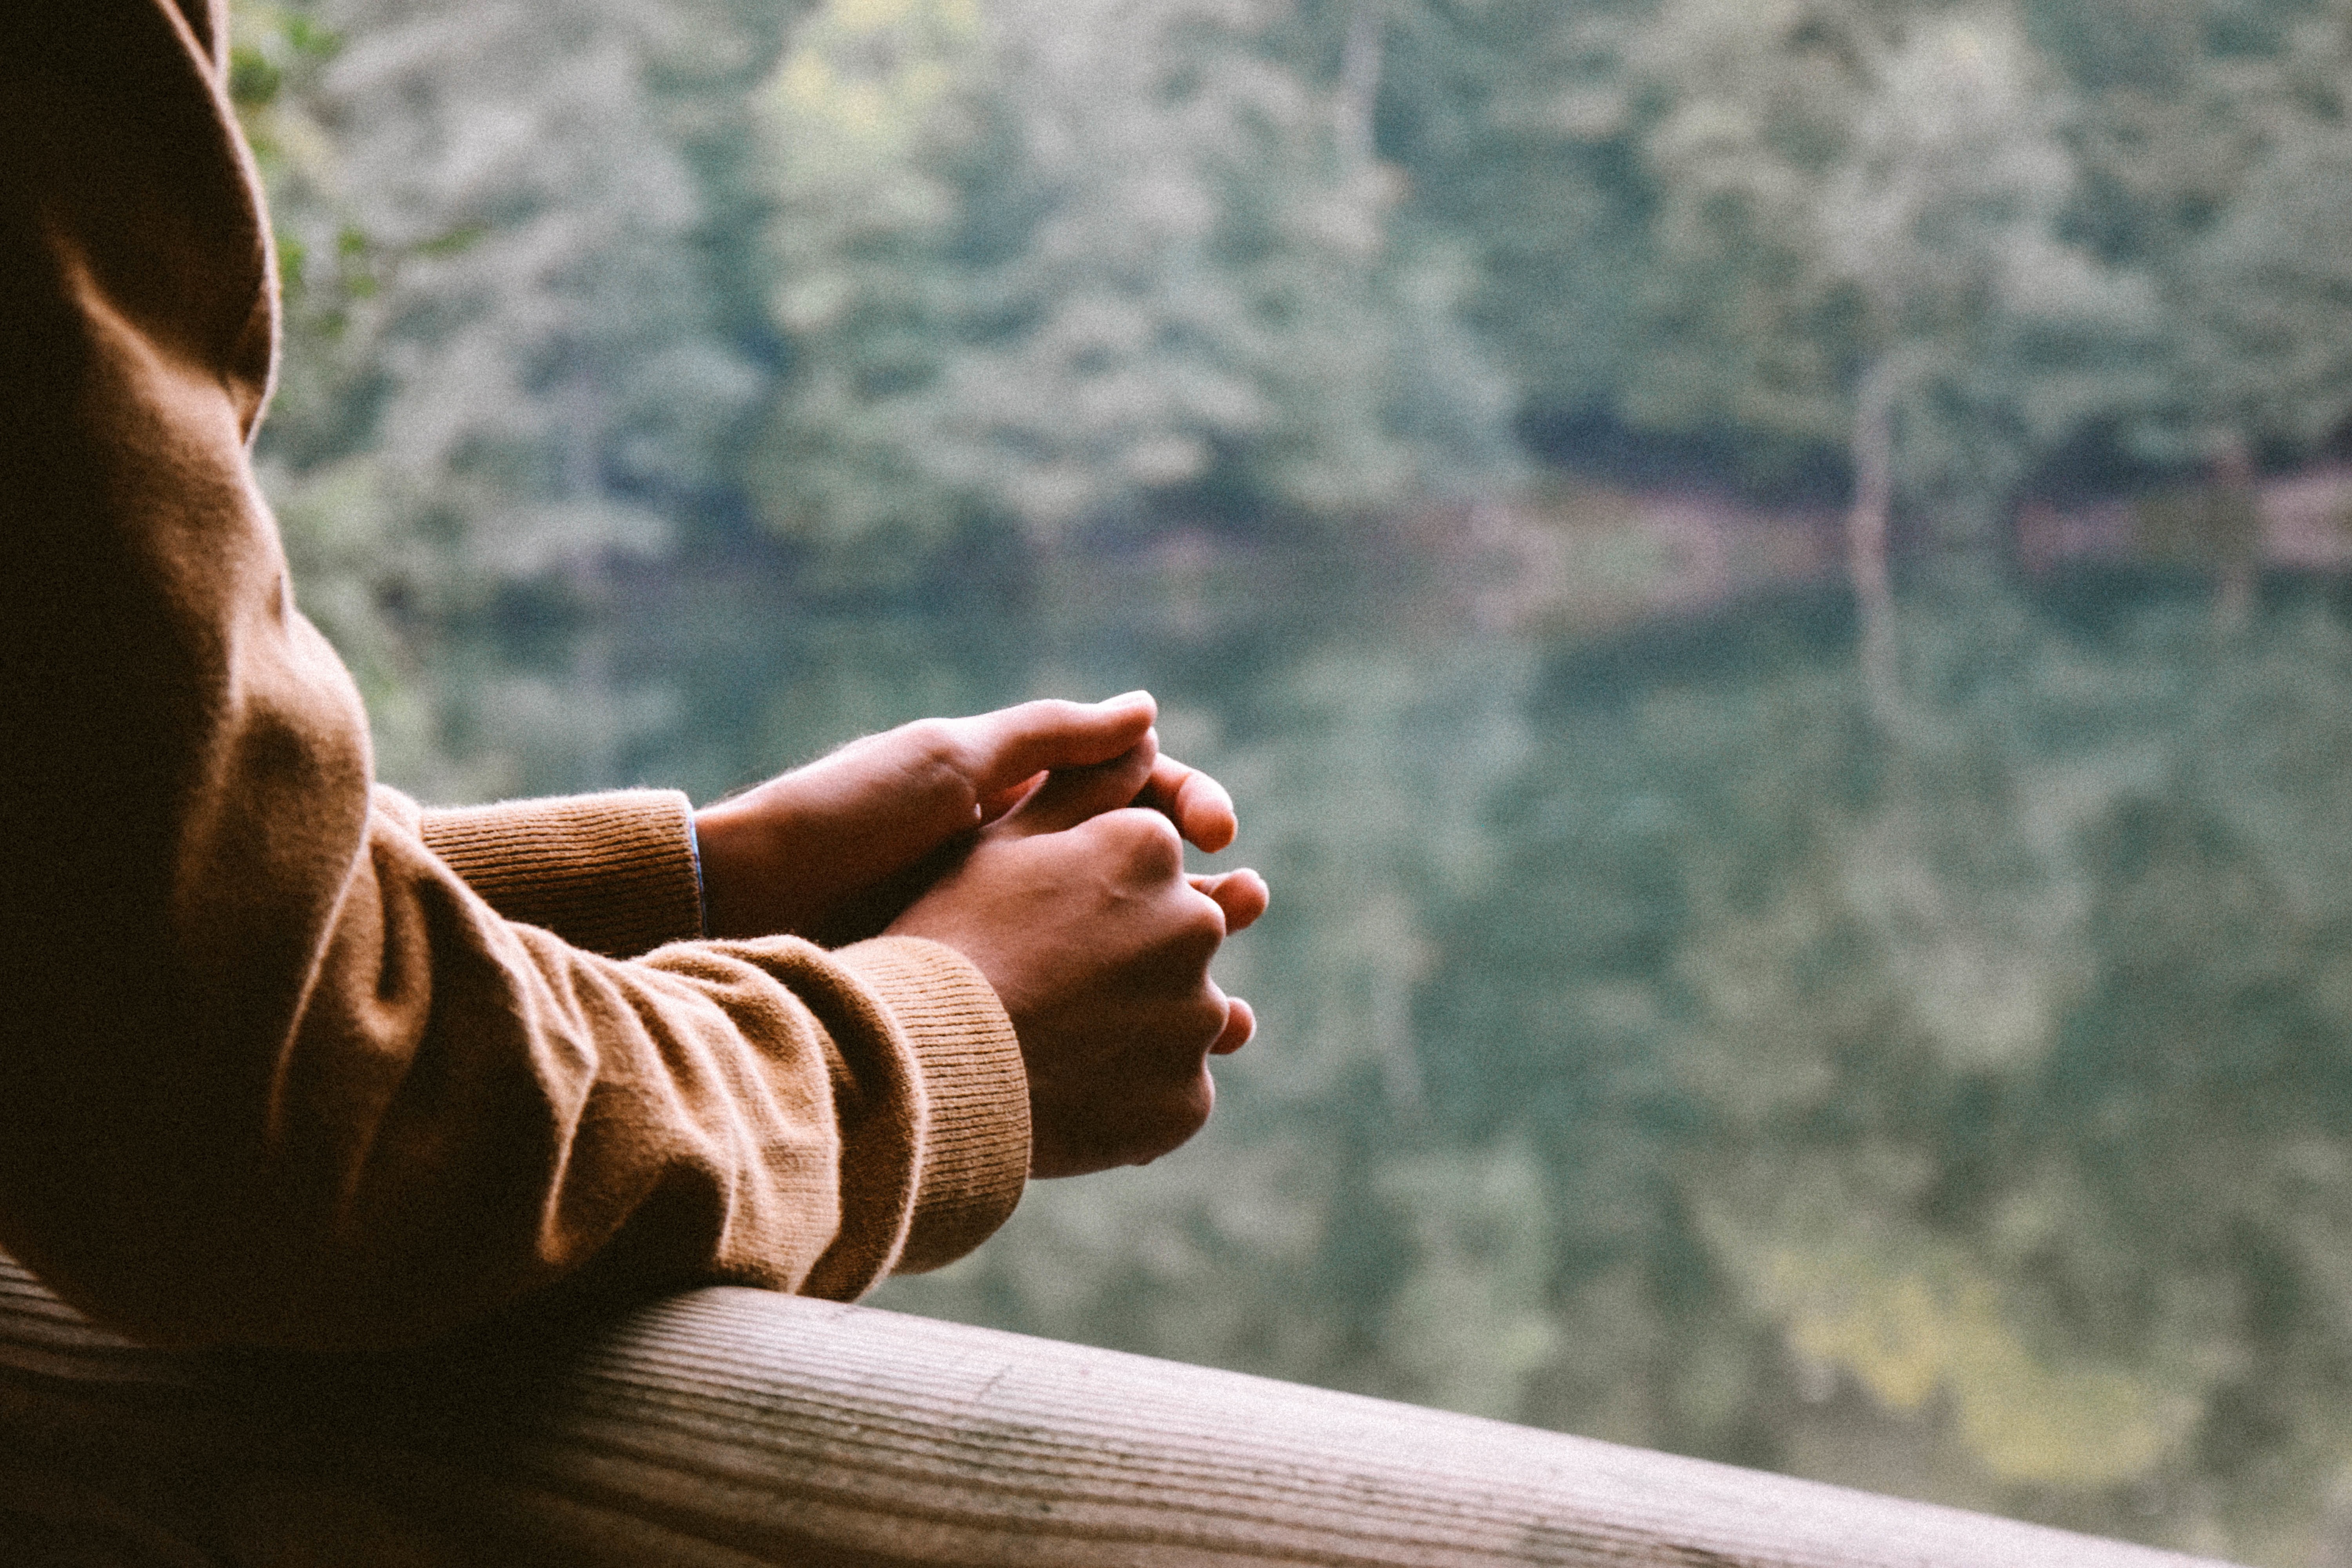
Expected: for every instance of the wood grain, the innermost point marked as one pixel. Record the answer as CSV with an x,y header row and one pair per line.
x,y
734,1427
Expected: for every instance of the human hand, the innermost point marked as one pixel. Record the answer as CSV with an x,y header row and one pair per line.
x,y
834,851
1077,908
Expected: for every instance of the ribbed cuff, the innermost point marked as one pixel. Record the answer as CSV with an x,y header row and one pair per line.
x,y
975,1090
614,873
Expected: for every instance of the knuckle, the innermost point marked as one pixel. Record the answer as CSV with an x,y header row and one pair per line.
x,y
938,752
1188,1028
1197,934
1149,838
1204,920
934,740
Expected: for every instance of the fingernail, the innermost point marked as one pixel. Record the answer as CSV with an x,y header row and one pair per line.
x,y
1123,698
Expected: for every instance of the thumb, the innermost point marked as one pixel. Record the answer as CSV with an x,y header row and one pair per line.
x,y
1072,795
1011,746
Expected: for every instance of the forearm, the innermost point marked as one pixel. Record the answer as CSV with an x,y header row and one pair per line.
x,y
269,1071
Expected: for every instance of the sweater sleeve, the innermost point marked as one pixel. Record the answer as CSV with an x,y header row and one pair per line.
x,y
614,873
272,1071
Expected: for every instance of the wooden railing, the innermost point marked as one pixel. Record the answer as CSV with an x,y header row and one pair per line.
x,y
734,1427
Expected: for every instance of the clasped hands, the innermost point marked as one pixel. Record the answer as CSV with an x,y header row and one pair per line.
x,y
1045,843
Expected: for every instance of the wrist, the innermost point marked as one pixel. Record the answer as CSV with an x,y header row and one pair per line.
x,y
732,851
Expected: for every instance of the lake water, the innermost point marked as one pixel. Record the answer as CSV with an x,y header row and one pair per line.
x,y
1654,1045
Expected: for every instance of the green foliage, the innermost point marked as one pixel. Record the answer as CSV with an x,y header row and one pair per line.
x,y
1044,263
503,362
2204,132
2274,352
2059,227
1778,202
1516,122
1010,268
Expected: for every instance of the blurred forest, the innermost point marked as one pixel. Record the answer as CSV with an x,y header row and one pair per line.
x,y
1771,578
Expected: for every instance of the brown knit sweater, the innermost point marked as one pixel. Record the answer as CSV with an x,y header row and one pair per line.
x,y
284,1061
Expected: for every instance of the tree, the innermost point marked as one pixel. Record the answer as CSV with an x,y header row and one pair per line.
x,y
1517,121
2208,138
502,360
1860,234
1040,265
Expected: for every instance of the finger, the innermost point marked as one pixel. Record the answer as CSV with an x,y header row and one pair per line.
x,y
1242,894
1013,744
1072,795
1240,1026
1197,804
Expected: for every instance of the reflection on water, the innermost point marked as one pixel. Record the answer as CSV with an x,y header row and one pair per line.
x,y
1652,1047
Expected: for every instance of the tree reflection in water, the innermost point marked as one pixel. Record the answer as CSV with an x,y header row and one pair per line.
x,y
1654,1047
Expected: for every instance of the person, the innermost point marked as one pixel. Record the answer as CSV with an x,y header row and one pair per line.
x,y
287,1060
